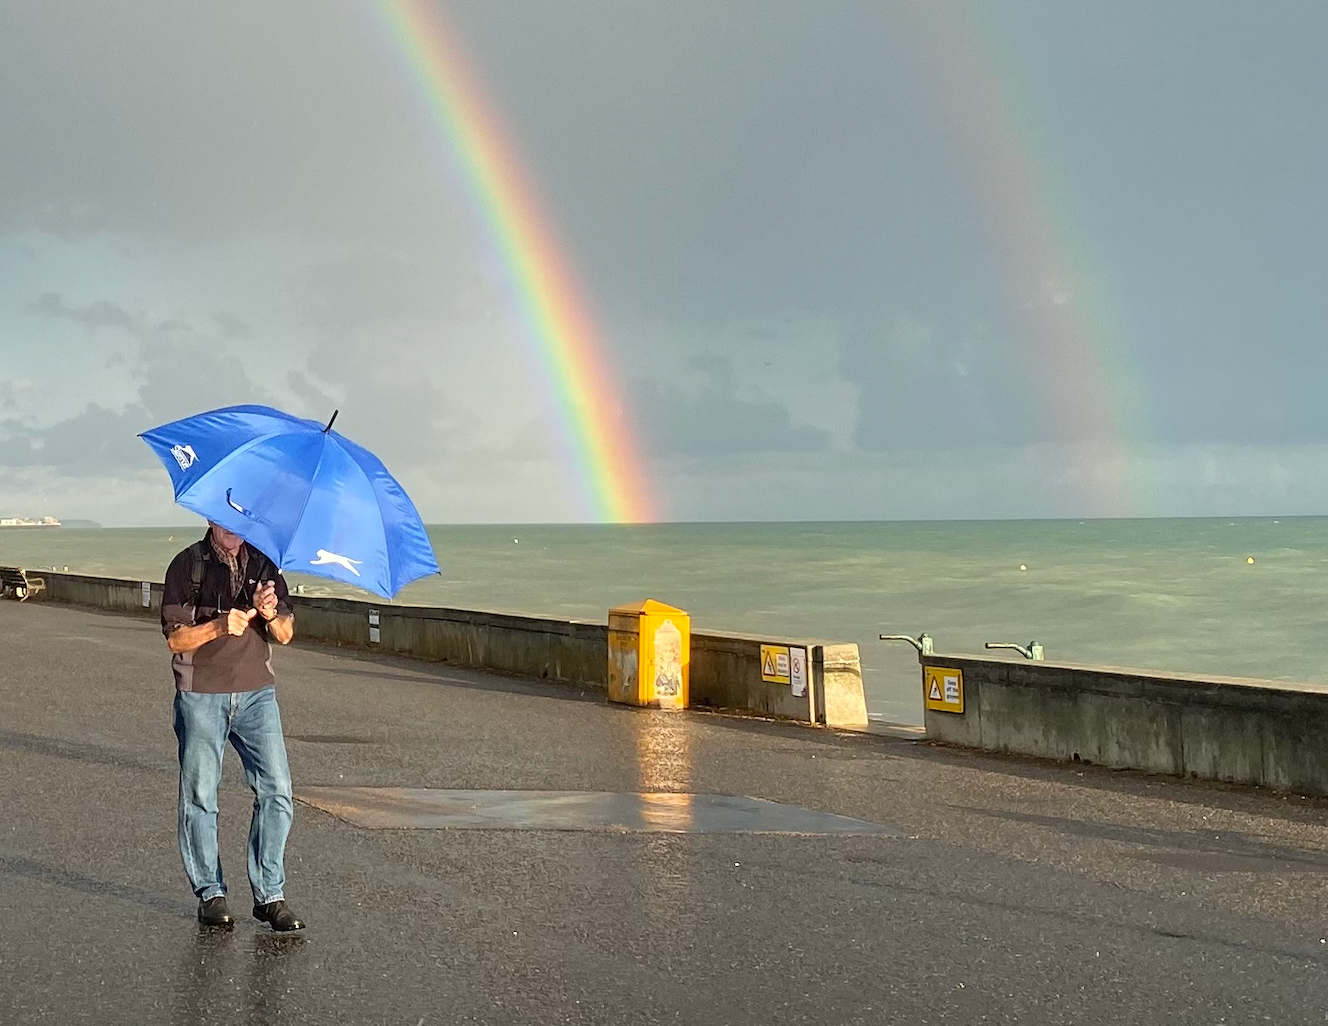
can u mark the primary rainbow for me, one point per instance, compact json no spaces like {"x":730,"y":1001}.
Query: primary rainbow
{"x":598,"y":438}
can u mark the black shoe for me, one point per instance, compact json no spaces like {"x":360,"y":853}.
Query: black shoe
{"x":214,"y":912}
{"x":278,"y":915}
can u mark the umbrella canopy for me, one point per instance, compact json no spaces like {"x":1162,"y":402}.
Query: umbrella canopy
{"x":310,"y":499}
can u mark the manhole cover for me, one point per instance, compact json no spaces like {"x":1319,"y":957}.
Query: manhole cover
{"x":406,"y":808}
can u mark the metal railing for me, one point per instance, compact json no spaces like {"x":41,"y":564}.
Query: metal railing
{"x":925,"y":646}
{"x":1032,"y":650}
{"x":922,"y":642}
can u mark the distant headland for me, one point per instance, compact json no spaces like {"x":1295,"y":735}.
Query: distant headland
{"x":47,"y":522}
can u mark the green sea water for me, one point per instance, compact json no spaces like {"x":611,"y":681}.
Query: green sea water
{"x":1174,"y":595}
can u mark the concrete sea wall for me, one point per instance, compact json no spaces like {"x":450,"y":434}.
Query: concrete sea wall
{"x":1268,"y":733}
{"x":725,"y":669}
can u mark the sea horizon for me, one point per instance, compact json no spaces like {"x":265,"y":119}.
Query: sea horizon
{"x":846,"y":520}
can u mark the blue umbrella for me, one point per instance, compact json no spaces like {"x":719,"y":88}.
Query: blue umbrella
{"x":312,"y":500}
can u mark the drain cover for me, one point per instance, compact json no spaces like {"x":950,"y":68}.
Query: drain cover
{"x":413,"y":808}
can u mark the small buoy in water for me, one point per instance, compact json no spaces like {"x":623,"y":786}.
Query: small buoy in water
{"x":1249,"y":560}
{"x":516,"y":541}
{"x":1023,"y":566}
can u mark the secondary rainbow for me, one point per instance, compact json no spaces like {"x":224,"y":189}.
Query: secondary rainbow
{"x":598,"y":439}
{"x":1094,"y":398}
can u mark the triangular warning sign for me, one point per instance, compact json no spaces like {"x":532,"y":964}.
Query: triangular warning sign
{"x":769,"y":668}
{"x":935,"y":694}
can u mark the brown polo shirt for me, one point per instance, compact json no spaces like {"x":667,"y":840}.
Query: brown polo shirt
{"x":227,"y":663}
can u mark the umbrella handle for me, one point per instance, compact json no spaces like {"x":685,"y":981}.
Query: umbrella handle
{"x":247,"y":513}
{"x":237,"y":507}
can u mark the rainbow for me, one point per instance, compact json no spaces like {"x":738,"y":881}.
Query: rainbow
{"x":596,"y":433}
{"x":1095,"y":399}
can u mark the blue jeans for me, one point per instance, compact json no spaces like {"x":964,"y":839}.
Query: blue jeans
{"x":252,"y":722}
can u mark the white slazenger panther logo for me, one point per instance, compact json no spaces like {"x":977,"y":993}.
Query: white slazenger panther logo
{"x":326,"y":558}
{"x":184,"y":455}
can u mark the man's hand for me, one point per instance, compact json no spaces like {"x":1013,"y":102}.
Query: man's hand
{"x":280,"y":628}
{"x":265,"y":600}
{"x":237,"y":620}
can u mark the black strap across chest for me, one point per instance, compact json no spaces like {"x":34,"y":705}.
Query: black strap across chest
{"x":201,"y":557}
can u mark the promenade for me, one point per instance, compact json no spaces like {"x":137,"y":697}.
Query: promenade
{"x":895,"y":882}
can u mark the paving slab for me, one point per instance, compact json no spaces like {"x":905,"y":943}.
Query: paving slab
{"x":657,"y":812}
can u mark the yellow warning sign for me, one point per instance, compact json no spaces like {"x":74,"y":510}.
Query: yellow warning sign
{"x":943,"y":688}
{"x":775,"y":664}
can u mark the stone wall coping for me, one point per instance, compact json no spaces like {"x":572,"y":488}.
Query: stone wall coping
{"x":519,"y":621}
{"x":1118,"y":675}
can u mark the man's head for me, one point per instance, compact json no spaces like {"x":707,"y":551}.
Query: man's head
{"x":227,"y":541}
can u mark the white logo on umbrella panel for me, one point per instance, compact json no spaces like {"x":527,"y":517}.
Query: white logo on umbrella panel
{"x":184,"y":455}
{"x":326,"y":558}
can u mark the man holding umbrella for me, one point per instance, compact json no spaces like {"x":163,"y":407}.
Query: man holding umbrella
{"x":279,"y":493}
{"x":223,"y":602}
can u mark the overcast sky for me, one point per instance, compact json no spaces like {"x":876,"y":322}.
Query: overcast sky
{"x":851,"y":259}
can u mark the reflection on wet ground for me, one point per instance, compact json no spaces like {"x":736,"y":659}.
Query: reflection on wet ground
{"x":663,"y":752}
{"x":237,"y":976}
{"x":422,"y":808}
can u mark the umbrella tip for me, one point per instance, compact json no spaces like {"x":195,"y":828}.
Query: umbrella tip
{"x":331,"y":422}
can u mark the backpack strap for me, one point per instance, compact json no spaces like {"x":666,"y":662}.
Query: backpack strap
{"x":200,"y":555}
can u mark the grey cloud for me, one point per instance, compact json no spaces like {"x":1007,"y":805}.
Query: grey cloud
{"x":378,"y":285}
{"x":232,"y":327}
{"x":388,"y":407}
{"x":15,"y":393}
{"x":205,"y":122}
{"x":536,"y":440}
{"x":101,"y":314}
{"x":313,"y":397}
{"x":929,"y":387}
{"x":713,"y":420}
{"x":184,"y":363}
{"x":95,"y":441}
{"x":180,"y":370}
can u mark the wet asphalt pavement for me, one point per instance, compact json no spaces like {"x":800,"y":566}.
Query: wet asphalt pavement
{"x":1004,"y":891}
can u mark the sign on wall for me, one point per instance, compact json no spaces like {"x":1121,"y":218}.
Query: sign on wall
{"x":775,"y":664}
{"x":798,"y":671}
{"x":943,"y":689}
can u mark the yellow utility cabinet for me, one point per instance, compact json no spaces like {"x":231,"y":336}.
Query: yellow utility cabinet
{"x":650,"y":650}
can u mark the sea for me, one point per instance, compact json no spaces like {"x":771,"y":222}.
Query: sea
{"x":1241,"y":597}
